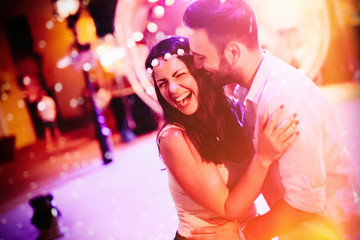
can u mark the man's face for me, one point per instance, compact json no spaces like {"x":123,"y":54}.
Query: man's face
{"x":207,"y":56}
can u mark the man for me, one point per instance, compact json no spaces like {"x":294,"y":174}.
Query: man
{"x":310,"y":189}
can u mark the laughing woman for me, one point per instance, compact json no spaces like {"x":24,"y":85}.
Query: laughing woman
{"x":214,"y":173}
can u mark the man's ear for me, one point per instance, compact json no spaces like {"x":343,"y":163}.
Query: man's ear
{"x":232,"y":52}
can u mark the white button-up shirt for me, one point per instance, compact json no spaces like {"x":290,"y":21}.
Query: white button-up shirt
{"x":316,"y":165}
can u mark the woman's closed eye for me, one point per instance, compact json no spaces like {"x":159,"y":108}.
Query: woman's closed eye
{"x":180,"y":74}
{"x":161,"y":83}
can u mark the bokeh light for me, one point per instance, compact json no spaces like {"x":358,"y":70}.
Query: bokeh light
{"x":152,"y":27}
{"x":58,"y":87}
{"x":159,"y":11}
{"x":26,"y":81}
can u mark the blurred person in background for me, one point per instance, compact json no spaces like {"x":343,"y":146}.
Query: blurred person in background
{"x":47,"y":112}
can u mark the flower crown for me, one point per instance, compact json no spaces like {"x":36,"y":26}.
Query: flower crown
{"x":155,"y":62}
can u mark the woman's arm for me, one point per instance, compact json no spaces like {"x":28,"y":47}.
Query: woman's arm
{"x":202,"y":181}
{"x":273,"y":139}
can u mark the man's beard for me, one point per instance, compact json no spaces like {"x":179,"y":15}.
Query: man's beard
{"x":225,"y":74}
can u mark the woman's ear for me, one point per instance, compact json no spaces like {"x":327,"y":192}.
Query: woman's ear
{"x":232,"y":52}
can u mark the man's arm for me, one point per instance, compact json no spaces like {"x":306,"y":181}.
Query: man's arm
{"x":280,"y":219}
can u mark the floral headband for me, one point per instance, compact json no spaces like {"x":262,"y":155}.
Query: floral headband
{"x":155,"y":62}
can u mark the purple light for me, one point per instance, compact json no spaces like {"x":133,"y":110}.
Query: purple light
{"x":101,"y":119}
{"x":105,"y":131}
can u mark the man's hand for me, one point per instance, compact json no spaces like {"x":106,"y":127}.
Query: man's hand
{"x":228,"y":231}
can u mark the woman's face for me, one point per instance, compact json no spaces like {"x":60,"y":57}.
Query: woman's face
{"x":177,"y":85}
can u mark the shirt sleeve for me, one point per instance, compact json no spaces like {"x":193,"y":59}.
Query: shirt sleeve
{"x":302,"y":166}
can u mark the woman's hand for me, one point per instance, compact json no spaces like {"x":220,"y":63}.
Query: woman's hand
{"x":275,"y":136}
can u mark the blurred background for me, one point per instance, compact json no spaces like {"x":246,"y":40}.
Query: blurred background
{"x":74,"y":97}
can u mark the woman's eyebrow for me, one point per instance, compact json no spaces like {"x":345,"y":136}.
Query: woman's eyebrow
{"x":174,"y":74}
{"x":160,"y":79}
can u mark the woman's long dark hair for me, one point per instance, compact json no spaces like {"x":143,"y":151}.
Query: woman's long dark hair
{"x":213,"y":129}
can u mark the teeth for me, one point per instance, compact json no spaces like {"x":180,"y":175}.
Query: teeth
{"x":184,"y":95}
{"x":182,"y":100}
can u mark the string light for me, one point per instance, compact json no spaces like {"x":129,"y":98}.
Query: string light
{"x":169,"y":2}
{"x":152,"y":27}
{"x":159,"y":11}
{"x":137,"y":36}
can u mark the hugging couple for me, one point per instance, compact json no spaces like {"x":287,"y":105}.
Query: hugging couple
{"x":276,"y":134}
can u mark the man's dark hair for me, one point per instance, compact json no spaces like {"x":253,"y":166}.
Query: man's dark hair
{"x":223,"y":21}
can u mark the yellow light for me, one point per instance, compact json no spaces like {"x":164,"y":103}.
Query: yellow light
{"x":111,"y":56}
{"x":10,"y":117}
{"x":85,"y":28}
{"x":4,"y":96}
{"x":6,"y":86}
{"x":21,"y":103}
{"x":66,"y":8}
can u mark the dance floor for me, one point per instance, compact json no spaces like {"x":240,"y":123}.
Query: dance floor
{"x":126,"y":199}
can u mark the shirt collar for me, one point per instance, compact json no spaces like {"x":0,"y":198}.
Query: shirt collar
{"x":253,"y":94}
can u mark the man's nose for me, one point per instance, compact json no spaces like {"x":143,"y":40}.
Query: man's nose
{"x":198,"y":62}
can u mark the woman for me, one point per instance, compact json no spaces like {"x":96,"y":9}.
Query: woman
{"x":200,"y":142}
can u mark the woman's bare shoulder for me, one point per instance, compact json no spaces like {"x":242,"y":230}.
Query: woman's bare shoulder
{"x":171,"y":136}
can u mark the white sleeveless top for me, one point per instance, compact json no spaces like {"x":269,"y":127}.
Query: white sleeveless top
{"x":192,"y":215}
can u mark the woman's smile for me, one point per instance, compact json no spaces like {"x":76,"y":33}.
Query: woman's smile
{"x":183,"y":99}
{"x":177,"y":85}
